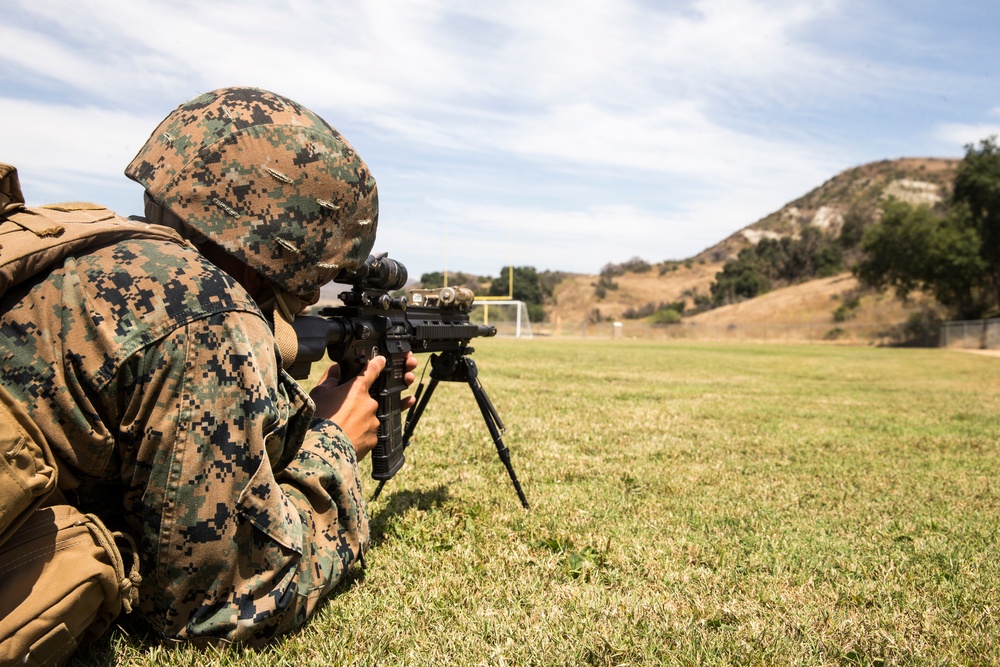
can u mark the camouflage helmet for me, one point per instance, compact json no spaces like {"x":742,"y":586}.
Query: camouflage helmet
{"x":268,"y":181}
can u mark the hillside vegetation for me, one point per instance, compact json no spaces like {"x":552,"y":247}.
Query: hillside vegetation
{"x":856,"y":191}
{"x":840,"y":208}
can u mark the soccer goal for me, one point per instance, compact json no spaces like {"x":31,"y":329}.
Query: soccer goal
{"x":510,"y":317}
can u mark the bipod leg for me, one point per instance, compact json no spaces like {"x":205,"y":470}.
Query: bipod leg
{"x":493,"y":423}
{"x":423,"y":399}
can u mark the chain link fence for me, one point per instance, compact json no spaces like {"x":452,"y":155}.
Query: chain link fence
{"x":844,"y":332}
{"x":971,"y":334}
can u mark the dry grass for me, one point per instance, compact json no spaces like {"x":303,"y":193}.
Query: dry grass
{"x":813,"y":302}
{"x":691,"y":504}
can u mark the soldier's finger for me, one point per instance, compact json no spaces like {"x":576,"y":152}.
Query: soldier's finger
{"x":372,"y":370}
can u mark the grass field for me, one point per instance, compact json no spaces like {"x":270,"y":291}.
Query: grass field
{"x":691,"y":504}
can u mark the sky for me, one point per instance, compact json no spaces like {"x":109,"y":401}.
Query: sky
{"x":559,"y":134}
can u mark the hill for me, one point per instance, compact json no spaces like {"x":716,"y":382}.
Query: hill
{"x":851,"y":195}
{"x":858,"y":190}
{"x":576,"y":300}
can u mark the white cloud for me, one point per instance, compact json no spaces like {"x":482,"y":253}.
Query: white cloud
{"x":66,"y":153}
{"x":583,"y":113}
{"x":480,"y":238}
{"x":960,"y":134}
{"x":92,"y":139}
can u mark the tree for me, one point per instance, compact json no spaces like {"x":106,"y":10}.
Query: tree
{"x":777,"y":261}
{"x":432,"y":280}
{"x":953,"y":254}
{"x":742,"y":278}
{"x":527,"y":287}
{"x":913,"y":248}
{"x":858,"y":217}
{"x":977,"y":187}
{"x":956,"y":266}
{"x":814,"y":254}
{"x":436,"y":280}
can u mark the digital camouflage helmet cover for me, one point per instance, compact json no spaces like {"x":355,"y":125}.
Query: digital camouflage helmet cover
{"x":267,"y":180}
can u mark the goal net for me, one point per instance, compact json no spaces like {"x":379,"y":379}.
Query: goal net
{"x":510,"y":317}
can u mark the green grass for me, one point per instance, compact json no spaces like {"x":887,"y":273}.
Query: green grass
{"x":691,"y":504}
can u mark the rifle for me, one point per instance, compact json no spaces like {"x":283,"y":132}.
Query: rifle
{"x":373,"y":322}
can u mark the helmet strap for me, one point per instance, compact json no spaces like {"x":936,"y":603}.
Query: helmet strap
{"x":283,"y":307}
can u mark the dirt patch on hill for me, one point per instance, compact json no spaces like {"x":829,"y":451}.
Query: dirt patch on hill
{"x":804,"y":312}
{"x":576,"y":299}
{"x":812,"y":302}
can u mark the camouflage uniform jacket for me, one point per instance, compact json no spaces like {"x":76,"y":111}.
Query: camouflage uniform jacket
{"x":155,"y":379}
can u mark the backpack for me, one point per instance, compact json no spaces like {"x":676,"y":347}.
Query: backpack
{"x":63,"y":579}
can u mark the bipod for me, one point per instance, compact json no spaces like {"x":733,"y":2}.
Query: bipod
{"x":458,"y":366}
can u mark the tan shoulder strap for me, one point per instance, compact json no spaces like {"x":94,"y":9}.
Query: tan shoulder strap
{"x":35,"y":239}
{"x":11,"y":197}
{"x":27,"y":467}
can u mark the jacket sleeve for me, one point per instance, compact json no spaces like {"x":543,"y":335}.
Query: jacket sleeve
{"x":231,"y":549}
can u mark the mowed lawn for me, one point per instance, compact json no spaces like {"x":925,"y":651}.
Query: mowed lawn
{"x":690,"y":504}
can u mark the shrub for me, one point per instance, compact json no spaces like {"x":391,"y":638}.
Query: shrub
{"x":843,"y":313}
{"x":666,"y":316}
{"x":834,"y":334}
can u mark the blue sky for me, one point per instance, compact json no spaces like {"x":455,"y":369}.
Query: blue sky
{"x":553,"y":133}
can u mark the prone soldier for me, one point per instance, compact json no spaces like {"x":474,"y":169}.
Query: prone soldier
{"x":155,"y":369}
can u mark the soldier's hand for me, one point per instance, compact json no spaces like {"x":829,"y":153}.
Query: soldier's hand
{"x":349,"y":406}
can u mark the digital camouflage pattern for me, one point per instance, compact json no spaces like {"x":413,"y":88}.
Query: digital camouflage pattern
{"x":268,"y":180}
{"x":154,"y":378}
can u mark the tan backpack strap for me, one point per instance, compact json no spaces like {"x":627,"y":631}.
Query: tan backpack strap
{"x":27,"y":467}
{"x":38,"y":238}
{"x":11,"y":197}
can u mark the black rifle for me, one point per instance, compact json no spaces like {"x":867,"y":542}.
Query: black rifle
{"x":372,"y":322}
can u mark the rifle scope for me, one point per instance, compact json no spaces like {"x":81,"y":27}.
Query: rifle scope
{"x":378,"y":272}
